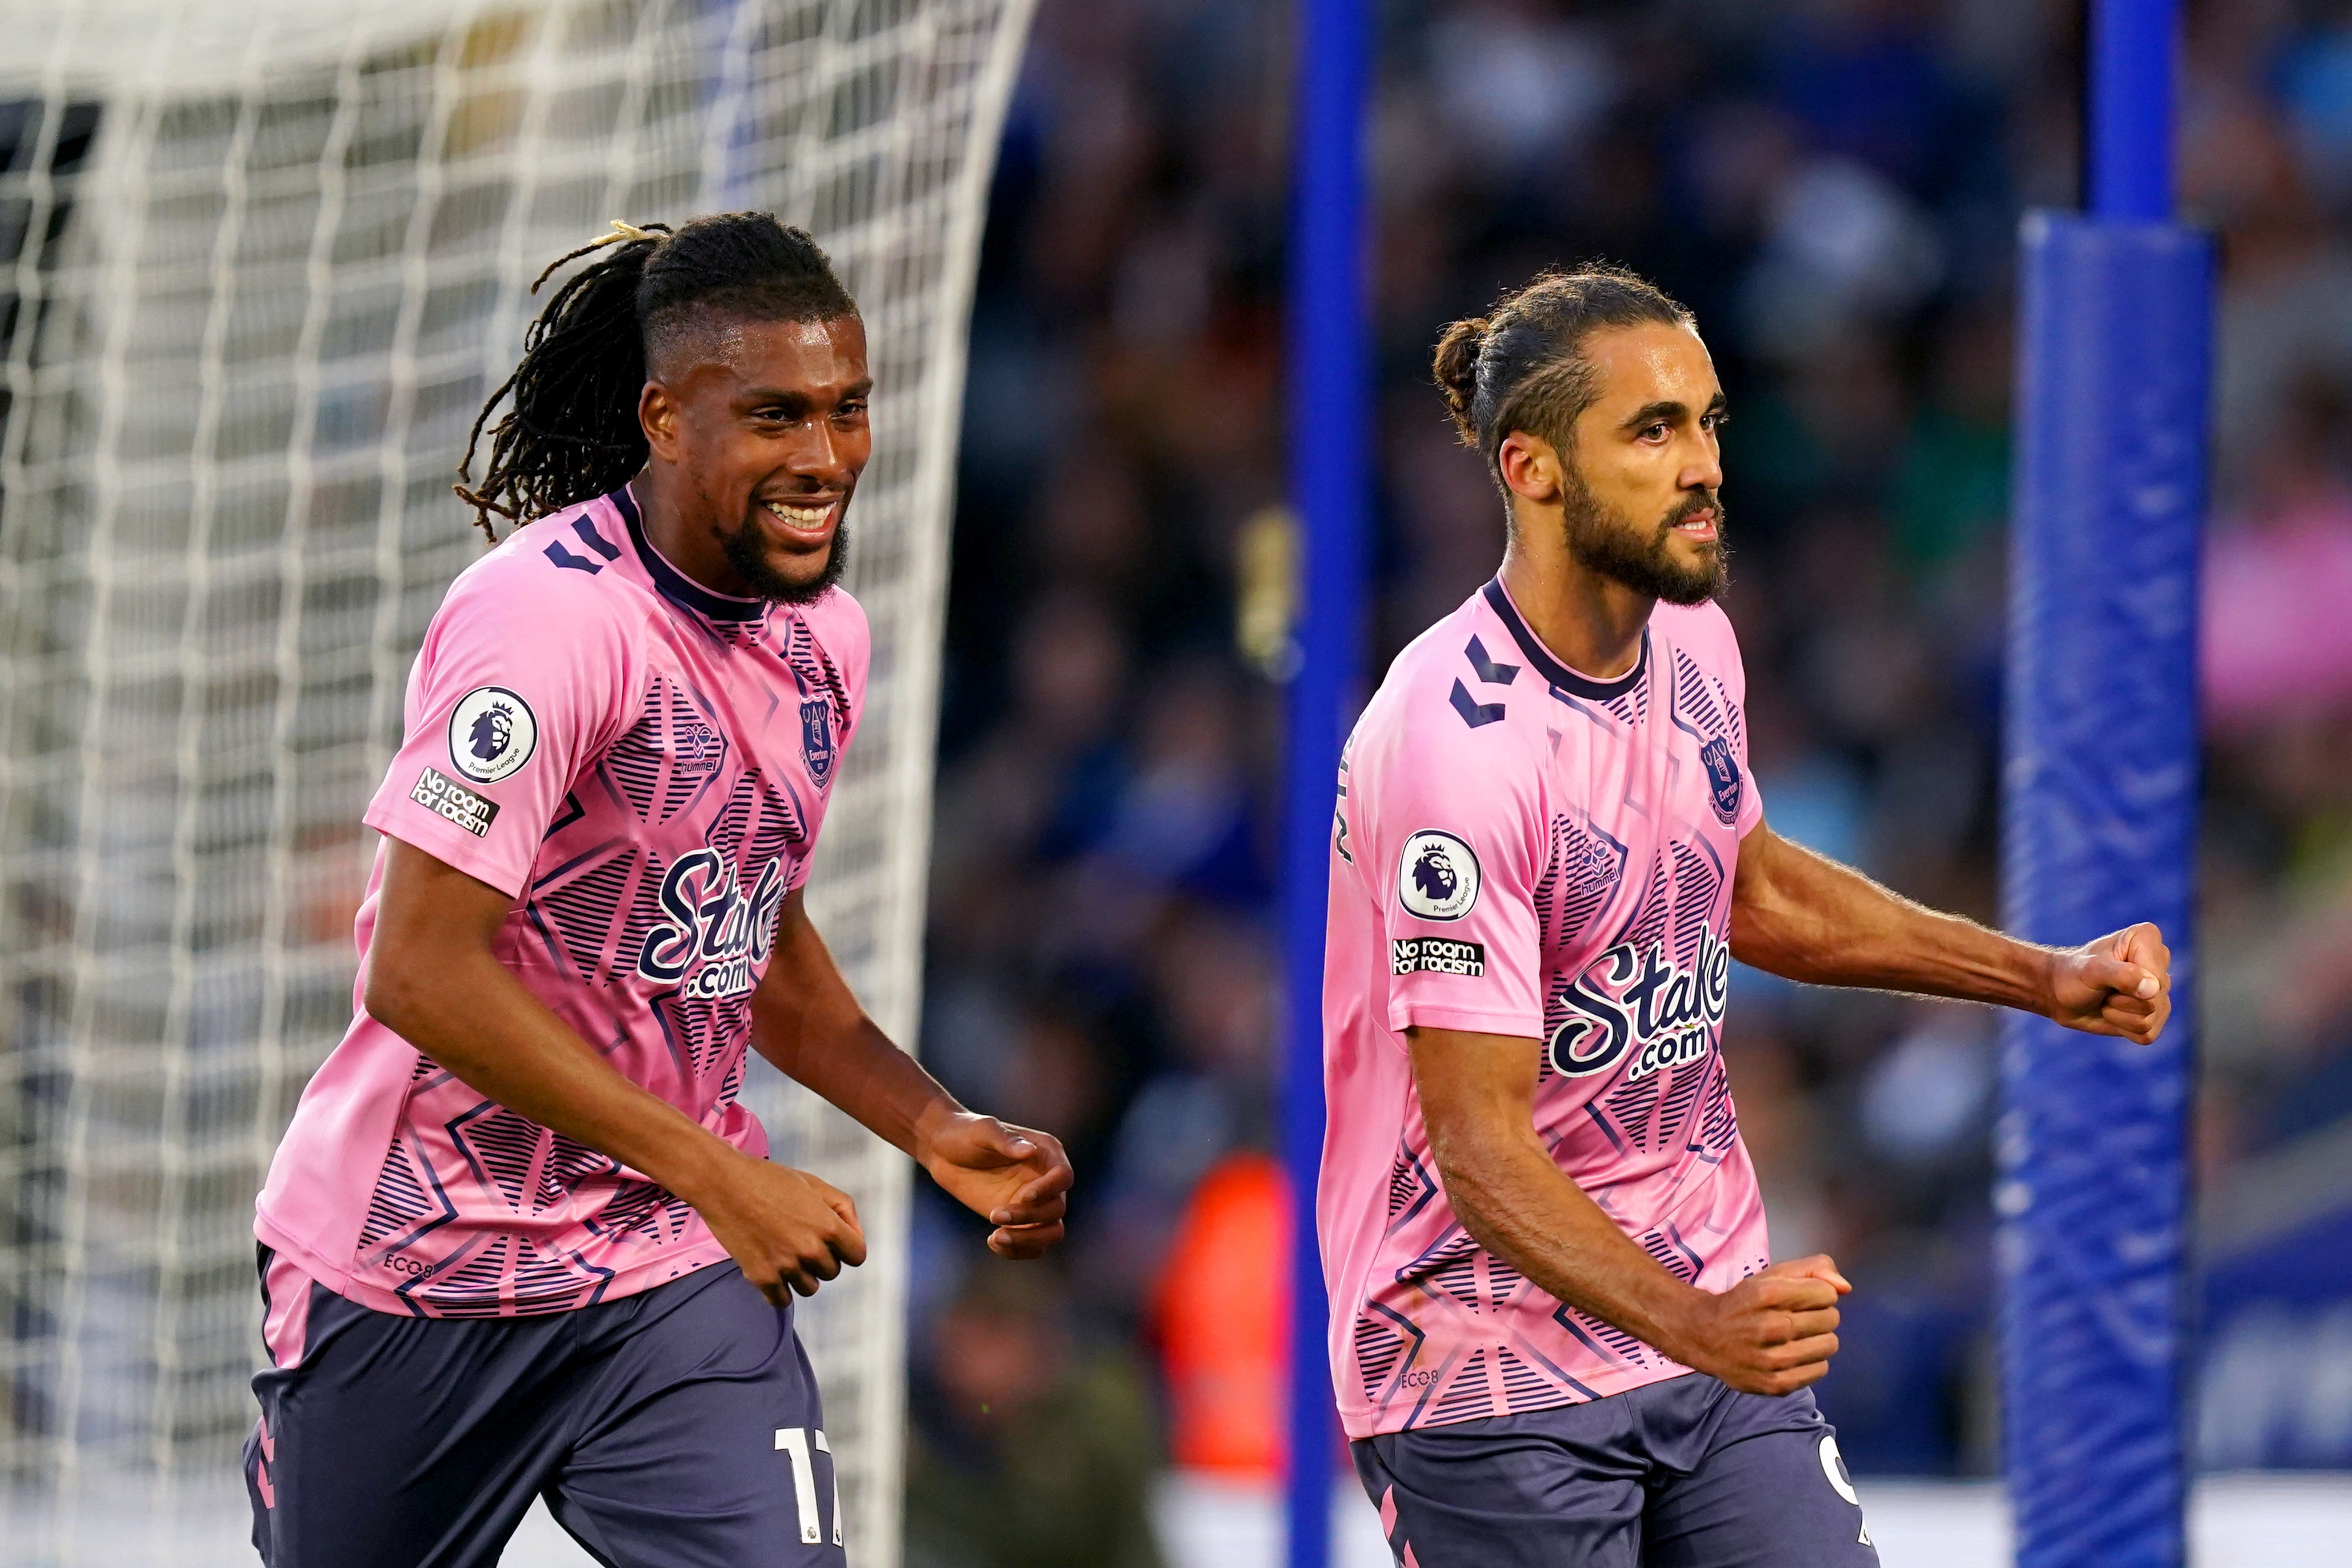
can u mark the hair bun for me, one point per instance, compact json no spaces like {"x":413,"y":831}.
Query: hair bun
{"x":1455,"y":366}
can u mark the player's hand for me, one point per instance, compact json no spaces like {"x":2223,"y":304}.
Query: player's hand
{"x":1771,"y":1333}
{"x":1015,"y":1178}
{"x":2119,"y":985}
{"x":789,"y":1231}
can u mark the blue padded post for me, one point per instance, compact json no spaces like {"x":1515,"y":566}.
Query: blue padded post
{"x":1331,"y":418}
{"x":2128,"y":162}
{"x":2100,"y":825}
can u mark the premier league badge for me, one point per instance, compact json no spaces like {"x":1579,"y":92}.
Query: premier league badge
{"x":1437,"y":876}
{"x":1722,"y":777}
{"x":816,"y":739}
{"x":492,"y":733}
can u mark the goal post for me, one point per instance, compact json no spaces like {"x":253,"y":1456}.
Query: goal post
{"x":260,"y":263}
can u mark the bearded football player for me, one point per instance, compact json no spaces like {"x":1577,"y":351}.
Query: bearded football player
{"x":522,"y":1239}
{"x":1558,"y":1334}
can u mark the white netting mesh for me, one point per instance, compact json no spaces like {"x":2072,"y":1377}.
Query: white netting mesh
{"x":264,"y":260}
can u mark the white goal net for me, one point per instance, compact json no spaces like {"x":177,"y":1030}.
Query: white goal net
{"x":260,"y":262}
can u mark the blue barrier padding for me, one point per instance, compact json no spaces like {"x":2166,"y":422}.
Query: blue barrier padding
{"x":2099,"y":804}
{"x":1330,"y":415}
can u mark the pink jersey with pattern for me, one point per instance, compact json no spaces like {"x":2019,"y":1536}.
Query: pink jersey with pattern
{"x":642,"y":766}
{"x":1521,"y":849}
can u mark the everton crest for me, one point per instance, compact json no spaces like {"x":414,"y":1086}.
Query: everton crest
{"x":1722,"y":777}
{"x":816,"y":740}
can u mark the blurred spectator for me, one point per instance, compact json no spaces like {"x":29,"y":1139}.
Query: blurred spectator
{"x":1220,"y":1313}
{"x":1031,"y":1451}
{"x":2278,"y":578}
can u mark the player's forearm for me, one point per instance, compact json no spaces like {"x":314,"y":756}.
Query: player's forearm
{"x":1522,"y":1208}
{"x":1803,"y":916}
{"x":852,"y":1065}
{"x":469,"y":1013}
{"x":806,"y":1021}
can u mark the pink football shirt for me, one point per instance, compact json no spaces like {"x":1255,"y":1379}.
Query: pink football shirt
{"x":1521,"y":849}
{"x":642,"y":764}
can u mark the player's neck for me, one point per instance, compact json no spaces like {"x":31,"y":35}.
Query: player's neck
{"x":694,"y":552}
{"x":1590,"y":623}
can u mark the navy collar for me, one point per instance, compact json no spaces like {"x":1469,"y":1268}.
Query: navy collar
{"x":1547,"y":665}
{"x":676,"y":585}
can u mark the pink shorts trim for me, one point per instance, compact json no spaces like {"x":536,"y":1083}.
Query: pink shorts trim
{"x":286,"y":1323}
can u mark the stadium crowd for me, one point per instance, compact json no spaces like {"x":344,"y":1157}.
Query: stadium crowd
{"x":1834,"y":185}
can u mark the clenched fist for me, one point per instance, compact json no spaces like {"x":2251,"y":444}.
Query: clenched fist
{"x":789,"y":1230}
{"x":1771,"y":1333}
{"x":2119,"y":985}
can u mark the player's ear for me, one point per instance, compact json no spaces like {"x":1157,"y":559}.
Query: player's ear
{"x":1530,"y":466}
{"x":657,"y":415}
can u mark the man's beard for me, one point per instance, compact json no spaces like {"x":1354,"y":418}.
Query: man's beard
{"x":1605,"y":541}
{"x":743,"y":551}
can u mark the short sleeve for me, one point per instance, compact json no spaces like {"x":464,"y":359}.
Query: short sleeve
{"x":1751,"y":799}
{"x":845,"y":628}
{"x":521,"y":682}
{"x":1750,"y":810}
{"x":1457,"y":840}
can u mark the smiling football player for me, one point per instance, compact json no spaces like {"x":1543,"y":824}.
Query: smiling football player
{"x":521,"y":1239}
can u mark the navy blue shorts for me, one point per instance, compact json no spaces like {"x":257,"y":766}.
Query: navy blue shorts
{"x":679,"y":1425}
{"x":1681,"y":1474}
